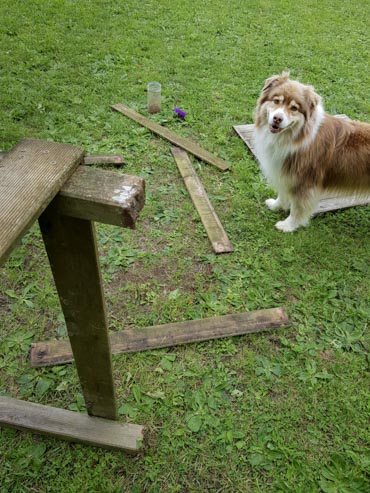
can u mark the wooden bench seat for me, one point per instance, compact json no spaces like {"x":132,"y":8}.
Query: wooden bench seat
{"x":31,"y":174}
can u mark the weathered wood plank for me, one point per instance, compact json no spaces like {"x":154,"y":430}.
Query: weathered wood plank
{"x":211,"y":222}
{"x":186,"y":144}
{"x":71,"y":247}
{"x":246,"y":133}
{"x":102,"y":196}
{"x":328,"y":203}
{"x":70,"y":426}
{"x":160,"y":336}
{"x":31,"y":174}
{"x":116,"y":159}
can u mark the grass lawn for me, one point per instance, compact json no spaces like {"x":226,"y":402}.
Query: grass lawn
{"x":280,"y":411}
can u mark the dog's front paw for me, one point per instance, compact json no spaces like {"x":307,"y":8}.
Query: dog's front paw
{"x":286,"y":226}
{"x":272,"y":204}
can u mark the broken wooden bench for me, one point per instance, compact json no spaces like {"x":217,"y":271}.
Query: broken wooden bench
{"x":44,"y":180}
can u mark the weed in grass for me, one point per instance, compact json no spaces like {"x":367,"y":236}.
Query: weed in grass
{"x":266,"y":368}
{"x":341,"y":475}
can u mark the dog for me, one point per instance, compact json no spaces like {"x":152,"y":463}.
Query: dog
{"x":304,"y":152}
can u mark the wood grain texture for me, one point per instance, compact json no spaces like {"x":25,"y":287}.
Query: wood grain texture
{"x":333,"y":203}
{"x":71,"y":247}
{"x":246,"y":133}
{"x":160,"y":336}
{"x":70,"y":426}
{"x":31,"y":174}
{"x":327,"y":203}
{"x":211,"y":222}
{"x":185,"y":144}
{"x":102,"y":196}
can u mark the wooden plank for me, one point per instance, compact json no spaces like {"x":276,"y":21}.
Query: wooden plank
{"x":102,"y":196}
{"x":31,"y":174}
{"x":185,"y":144}
{"x":160,"y":336}
{"x":116,"y":159}
{"x":330,"y":202}
{"x":70,"y":426}
{"x":71,"y":247}
{"x":211,"y":222}
{"x":246,"y":133}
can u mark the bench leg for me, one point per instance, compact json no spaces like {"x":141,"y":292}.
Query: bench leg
{"x":71,"y":247}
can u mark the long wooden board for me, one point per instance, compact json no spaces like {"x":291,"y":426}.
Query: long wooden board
{"x":186,"y":144}
{"x":327,"y":203}
{"x":70,"y":426}
{"x":160,"y":336}
{"x":31,"y":174}
{"x":102,"y":196}
{"x":211,"y":222}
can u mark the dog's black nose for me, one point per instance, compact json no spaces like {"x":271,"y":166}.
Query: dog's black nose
{"x":278,"y":118}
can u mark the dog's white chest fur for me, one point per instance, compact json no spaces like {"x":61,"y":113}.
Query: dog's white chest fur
{"x":270,"y":155}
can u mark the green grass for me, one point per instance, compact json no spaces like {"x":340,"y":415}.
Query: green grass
{"x":285,"y":411}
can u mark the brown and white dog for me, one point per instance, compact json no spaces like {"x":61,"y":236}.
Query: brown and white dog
{"x":304,"y":152}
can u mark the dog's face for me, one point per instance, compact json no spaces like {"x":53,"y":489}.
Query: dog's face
{"x":285,"y":105}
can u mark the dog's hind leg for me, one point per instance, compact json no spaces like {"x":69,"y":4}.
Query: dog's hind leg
{"x":301,"y":210}
{"x":281,"y":202}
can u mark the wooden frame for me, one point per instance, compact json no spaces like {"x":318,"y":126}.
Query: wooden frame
{"x":31,"y":175}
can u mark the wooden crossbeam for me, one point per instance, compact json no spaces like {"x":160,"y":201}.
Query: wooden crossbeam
{"x":211,"y":222}
{"x":167,"y":134}
{"x":31,"y":175}
{"x":102,"y":196}
{"x":160,"y":336}
{"x":70,"y":426}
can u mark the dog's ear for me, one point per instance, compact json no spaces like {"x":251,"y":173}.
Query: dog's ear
{"x":275,"y":80}
{"x":312,"y":98}
{"x":271,"y":82}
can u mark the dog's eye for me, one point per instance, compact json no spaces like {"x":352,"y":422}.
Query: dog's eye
{"x":276,"y":100}
{"x":294,"y":108}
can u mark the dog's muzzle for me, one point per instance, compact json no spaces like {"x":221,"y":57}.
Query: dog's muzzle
{"x":276,"y":122}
